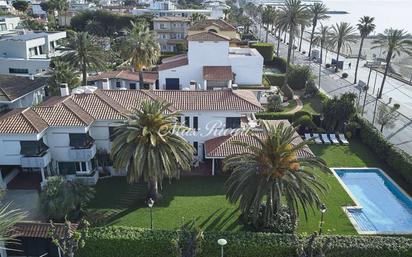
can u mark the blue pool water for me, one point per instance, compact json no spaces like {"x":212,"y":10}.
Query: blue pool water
{"x":385,"y":208}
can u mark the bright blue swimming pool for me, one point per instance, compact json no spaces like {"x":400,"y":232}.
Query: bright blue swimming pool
{"x":385,"y":208}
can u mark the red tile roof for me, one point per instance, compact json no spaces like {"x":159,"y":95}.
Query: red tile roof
{"x":83,"y":109}
{"x":204,"y":24}
{"x":207,"y":36}
{"x":173,"y":64}
{"x":38,"y":230}
{"x":221,"y":147}
{"x":217,"y":73}
{"x":148,"y":77}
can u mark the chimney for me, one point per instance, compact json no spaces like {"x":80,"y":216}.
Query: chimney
{"x":64,"y":89}
{"x":105,"y":84}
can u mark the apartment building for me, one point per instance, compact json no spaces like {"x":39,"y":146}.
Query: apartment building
{"x":8,"y":25}
{"x":167,"y":8}
{"x":29,"y":53}
{"x":63,"y":134}
{"x":170,"y":31}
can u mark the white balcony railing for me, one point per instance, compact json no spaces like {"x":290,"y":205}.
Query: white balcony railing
{"x":82,"y":154}
{"x":36,"y":161}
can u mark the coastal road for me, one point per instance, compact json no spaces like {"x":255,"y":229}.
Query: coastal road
{"x":333,"y":85}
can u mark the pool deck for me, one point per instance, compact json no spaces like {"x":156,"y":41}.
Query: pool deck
{"x":358,"y":206}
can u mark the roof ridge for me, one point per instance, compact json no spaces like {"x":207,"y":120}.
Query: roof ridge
{"x":29,"y":121}
{"x":66,"y":105}
{"x":226,"y":138}
{"x":244,"y":98}
{"x":110,"y":102}
{"x":156,"y":97}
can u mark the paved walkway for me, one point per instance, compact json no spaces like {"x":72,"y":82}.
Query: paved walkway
{"x":299,"y":105}
{"x":332,"y":83}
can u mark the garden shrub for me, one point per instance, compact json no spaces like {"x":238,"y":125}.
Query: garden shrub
{"x":265,"y":49}
{"x":274,"y":116}
{"x":287,"y":91}
{"x":279,"y":63}
{"x":298,"y":76}
{"x":274,"y":103}
{"x":299,"y":114}
{"x":275,"y":79}
{"x":399,"y":161}
{"x":282,"y":223}
{"x":138,"y":242}
{"x":311,"y":89}
{"x":304,"y":122}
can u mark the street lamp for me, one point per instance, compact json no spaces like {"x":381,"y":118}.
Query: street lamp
{"x":222,"y":242}
{"x":150,"y":203}
{"x":322,"y":212}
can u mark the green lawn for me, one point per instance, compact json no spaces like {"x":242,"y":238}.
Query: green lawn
{"x":292,"y":105}
{"x":312,"y":105}
{"x":202,"y":198}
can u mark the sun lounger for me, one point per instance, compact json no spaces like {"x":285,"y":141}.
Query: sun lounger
{"x":325,"y":139}
{"x":317,"y":139}
{"x":308,"y":136}
{"x":343,"y":139}
{"x":333,"y":139}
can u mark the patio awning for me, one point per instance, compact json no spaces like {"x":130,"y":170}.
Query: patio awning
{"x":38,"y":230}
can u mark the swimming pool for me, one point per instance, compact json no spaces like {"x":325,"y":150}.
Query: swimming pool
{"x":382,"y":207}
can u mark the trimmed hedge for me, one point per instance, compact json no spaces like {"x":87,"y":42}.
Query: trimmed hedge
{"x":275,"y":79}
{"x":279,"y":63}
{"x":138,"y":242}
{"x":395,"y":158}
{"x":265,"y":49}
{"x":274,"y":116}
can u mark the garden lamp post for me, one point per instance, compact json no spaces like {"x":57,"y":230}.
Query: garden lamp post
{"x":222,"y":242}
{"x":322,"y":212}
{"x":150,"y":203}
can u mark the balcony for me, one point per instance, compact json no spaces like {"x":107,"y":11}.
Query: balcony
{"x":82,"y":154}
{"x":40,"y":161}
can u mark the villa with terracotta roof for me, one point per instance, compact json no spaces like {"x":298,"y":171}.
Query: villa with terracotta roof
{"x":123,"y":79}
{"x":62,"y":135}
{"x":210,"y":64}
{"x":218,"y":26}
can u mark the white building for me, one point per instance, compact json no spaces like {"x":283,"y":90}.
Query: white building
{"x":170,"y":31}
{"x":19,"y":92}
{"x":211,"y":64}
{"x":29,"y":53}
{"x":161,"y":8}
{"x":217,"y":7}
{"x":62,"y":135}
{"x":123,"y":79}
{"x":8,"y":24}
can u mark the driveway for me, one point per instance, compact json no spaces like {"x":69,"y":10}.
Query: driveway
{"x":25,"y":200}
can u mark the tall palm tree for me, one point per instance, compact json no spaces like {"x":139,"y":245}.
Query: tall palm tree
{"x":196,"y":17}
{"x":365,"y":27}
{"x":141,"y":48}
{"x":85,"y":53}
{"x":319,"y":13}
{"x":62,"y":72}
{"x":321,"y":38}
{"x":271,"y":171}
{"x":149,"y":145}
{"x":394,"y":42}
{"x":267,"y":19}
{"x":302,"y":31}
{"x":342,"y":37}
{"x":291,"y":16}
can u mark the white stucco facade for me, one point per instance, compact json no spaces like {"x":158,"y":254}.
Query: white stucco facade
{"x":246,"y":64}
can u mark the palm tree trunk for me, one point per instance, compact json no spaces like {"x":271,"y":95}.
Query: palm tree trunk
{"x":337,"y":60}
{"x":326,"y":54}
{"x":153,"y":189}
{"x":141,"y":80}
{"x":301,"y":38}
{"x":388,"y":60}
{"x":267,"y":34}
{"x":320,"y":62}
{"x":357,"y":61}
{"x":277,"y":50}
{"x":84,"y":74}
{"x":289,"y":55}
{"x":311,"y":39}
{"x":382,"y":127}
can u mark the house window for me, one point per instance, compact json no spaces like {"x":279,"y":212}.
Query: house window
{"x":195,"y":122}
{"x":67,"y":168}
{"x":33,"y":148}
{"x":162,"y":26}
{"x":132,"y":85}
{"x":232,"y":122}
{"x":80,"y":140}
{"x":112,"y":133}
{"x":118,"y":85}
{"x":18,"y":71}
{"x":81,"y":167}
{"x":196,"y":146}
{"x":187,"y":121}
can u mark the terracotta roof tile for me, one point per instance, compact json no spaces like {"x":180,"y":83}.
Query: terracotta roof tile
{"x":207,"y":36}
{"x":21,"y":121}
{"x":221,"y":147}
{"x":14,"y":87}
{"x":204,"y":24}
{"x":38,"y":230}
{"x":217,"y":73}
{"x":173,"y":64}
{"x":174,"y":58}
{"x":148,"y":77}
